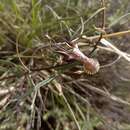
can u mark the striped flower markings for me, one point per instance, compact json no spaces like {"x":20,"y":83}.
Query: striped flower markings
{"x":90,"y":65}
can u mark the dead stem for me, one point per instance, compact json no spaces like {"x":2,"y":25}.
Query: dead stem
{"x":116,"y":34}
{"x":103,"y":15}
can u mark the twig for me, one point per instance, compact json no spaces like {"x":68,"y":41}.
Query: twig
{"x":4,"y":100}
{"x":116,"y":50}
{"x":103,"y":93}
{"x":6,"y":91}
{"x":103,"y":15}
{"x":110,"y":64}
{"x":116,"y":34}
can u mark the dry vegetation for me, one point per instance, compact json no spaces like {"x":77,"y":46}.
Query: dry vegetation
{"x":45,"y":84}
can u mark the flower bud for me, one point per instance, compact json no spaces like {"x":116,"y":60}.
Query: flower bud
{"x":91,"y":66}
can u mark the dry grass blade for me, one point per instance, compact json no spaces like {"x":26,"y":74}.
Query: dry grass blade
{"x":116,"y":34}
{"x":71,"y":111}
{"x":6,"y":91}
{"x":106,"y":94}
{"x":116,"y":50}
